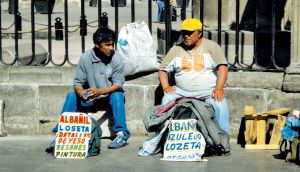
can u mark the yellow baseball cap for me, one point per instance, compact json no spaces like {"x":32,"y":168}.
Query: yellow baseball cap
{"x":191,"y":24}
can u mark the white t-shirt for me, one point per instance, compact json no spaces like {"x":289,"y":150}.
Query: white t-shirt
{"x":195,"y":70}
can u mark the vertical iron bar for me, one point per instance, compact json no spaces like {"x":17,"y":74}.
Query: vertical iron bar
{"x":150,"y":15}
{"x":0,"y":33}
{"x":274,"y":35}
{"x":116,"y":18}
{"x":66,"y":31}
{"x":16,"y":11}
{"x":49,"y":30}
{"x":32,"y":30}
{"x":192,"y":8}
{"x":132,"y":11}
{"x":201,"y":11}
{"x":82,"y":36}
{"x":183,"y":10}
{"x":273,"y":30}
{"x":99,"y":12}
{"x":237,"y":30}
{"x":168,"y":25}
{"x":255,"y":33}
{"x":219,"y":21}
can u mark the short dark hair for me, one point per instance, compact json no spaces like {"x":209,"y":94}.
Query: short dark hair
{"x":104,"y":35}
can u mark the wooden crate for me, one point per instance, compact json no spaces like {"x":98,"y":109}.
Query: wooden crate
{"x":257,"y":126}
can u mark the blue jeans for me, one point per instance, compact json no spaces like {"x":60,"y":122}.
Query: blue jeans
{"x":161,"y":6}
{"x":115,"y":101}
{"x":221,"y":108}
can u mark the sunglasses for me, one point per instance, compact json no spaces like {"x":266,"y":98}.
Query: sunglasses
{"x":187,"y":32}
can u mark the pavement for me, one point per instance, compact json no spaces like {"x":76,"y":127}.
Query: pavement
{"x":27,"y":154}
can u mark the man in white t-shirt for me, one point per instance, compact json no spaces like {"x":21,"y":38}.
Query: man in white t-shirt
{"x":200,"y":69}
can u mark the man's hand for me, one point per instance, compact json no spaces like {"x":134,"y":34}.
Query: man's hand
{"x":93,"y":93}
{"x":218,"y":94}
{"x":84,"y":95}
{"x":169,"y":90}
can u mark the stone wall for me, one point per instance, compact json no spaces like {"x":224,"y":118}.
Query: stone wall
{"x":33,"y":97}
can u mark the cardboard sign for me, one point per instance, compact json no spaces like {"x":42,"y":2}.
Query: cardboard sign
{"x":74,"y":132}
{"x":184,"y":142}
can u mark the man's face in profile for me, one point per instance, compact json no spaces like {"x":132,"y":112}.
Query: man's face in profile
{"x":107,"y":48}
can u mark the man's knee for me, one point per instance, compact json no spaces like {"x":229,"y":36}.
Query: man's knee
{"x":216,"y":103}
{"x":71,"y":96}
{"x":168,"y":98}
{"x":117,"y":96}
{"x":71,"y":99}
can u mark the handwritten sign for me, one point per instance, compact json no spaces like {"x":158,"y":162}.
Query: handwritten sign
{"x":184,"y":142}
{"x":74,"y":132}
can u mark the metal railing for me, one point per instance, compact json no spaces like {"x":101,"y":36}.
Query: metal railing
{"x":259,"y":61}
{"x":266,"y":57}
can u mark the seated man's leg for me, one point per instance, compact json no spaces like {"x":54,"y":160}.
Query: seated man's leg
{"x":116,"y":101}
{"x":221,"y":112}
{"x":168,"y":97}
{"x":70,"y":105}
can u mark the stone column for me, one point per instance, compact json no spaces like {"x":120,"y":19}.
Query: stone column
{"x":295,"y":37}
{"x":291,"y":82}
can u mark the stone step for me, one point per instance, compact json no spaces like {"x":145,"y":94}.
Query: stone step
{"x":34,"y":97}
{"x":38,"y":106}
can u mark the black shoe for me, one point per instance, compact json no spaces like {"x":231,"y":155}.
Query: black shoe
{"x":50,"y":150}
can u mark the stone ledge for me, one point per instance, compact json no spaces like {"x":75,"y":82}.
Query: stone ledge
{"x":33,"y":107}
{"x":29,"y":74}
{"x":291,"y":83}
{"x":65,"y":75}
{"x":4,"y":74}
{"x":265,"y":80}
{"x":38,"y":106}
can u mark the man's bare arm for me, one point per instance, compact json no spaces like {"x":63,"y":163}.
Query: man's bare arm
{"x":164,"y":80}
{"x":218,"y":92}
{"x":80,"y":91}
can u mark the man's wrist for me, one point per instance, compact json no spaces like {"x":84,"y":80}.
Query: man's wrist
{"x":80,"y":92}
{"x":98,"y":91}
{"x":219,"y":88}
{"x":165,"y":87}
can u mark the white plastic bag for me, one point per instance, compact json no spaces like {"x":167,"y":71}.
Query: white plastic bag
{"x":135,"y":46}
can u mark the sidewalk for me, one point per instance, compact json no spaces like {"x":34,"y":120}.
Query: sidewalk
{"x":26,"y":154}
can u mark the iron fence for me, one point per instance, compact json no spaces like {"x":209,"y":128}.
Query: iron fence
{"x":271,"y":44}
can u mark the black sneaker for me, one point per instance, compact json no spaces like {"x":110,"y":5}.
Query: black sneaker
{"x":50,"y":150}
